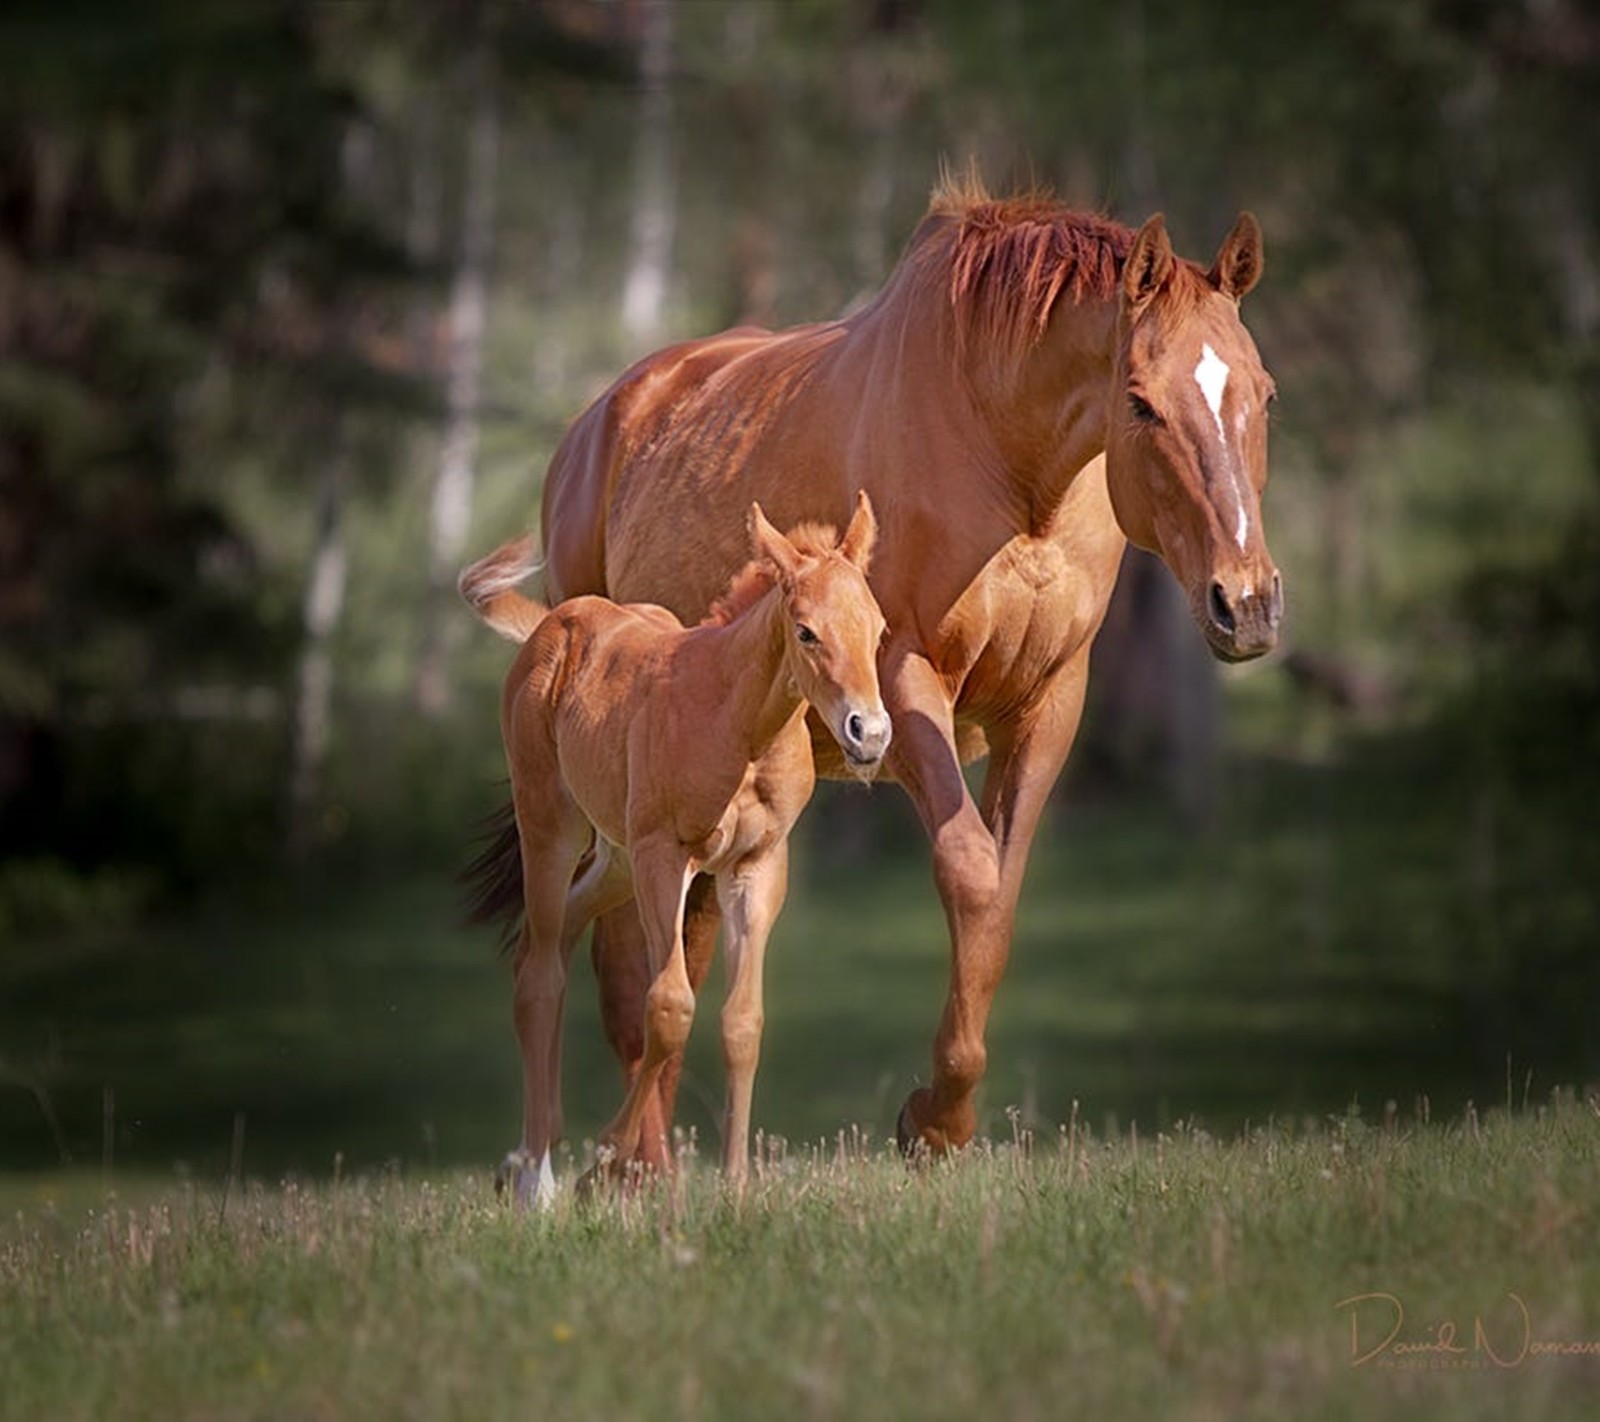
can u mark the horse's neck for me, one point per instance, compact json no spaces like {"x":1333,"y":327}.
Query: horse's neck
{"x":756,"y":696}
{"x":1030,"y":425}
{"x":1049,"y":420}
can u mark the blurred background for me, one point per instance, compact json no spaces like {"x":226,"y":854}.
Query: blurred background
{"x":296,"y":299}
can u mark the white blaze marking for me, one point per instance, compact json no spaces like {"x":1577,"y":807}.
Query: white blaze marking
{"x":1211,"y":375}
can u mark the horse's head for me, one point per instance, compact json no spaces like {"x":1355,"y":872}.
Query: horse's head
{"x":1186,"y":446}
{"x":832,"y":627}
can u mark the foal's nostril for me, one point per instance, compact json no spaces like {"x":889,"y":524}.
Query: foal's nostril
{"x":855,"y":728}
{"x":1221,"y":613}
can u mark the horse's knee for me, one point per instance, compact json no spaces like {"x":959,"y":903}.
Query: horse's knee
{"x":962,"y":1065}
{"x":669,"y":1012}
{"x":966,"y":869}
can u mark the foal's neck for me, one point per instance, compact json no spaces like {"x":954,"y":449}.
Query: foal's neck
{"x":759,"y":696}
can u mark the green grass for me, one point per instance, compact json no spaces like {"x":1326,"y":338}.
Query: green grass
{"x":1174,"y":1275}
{"x":1373,"y":928}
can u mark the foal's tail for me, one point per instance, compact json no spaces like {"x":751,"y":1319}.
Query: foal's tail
{"x":490,"y":588}
{"x":493,"y":880}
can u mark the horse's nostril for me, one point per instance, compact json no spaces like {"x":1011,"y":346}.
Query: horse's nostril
{"x":855,"y":728}
{"x":1221,"y":613}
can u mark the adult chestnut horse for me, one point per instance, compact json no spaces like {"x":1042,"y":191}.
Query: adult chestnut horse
{"x":1032,"y":387}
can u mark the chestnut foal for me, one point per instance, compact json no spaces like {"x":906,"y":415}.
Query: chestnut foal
{"x":643,"y":753}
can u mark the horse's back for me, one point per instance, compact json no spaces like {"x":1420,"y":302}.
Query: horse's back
{"x":689,"y":425}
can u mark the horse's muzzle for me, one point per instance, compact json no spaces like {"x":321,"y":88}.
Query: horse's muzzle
{"x":1242,"y":624}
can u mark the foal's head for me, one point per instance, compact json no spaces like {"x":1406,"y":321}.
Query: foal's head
{"x":1186,"y":447}
{"x":832,"y":627}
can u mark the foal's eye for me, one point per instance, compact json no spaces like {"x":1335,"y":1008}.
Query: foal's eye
{"x":807,"y":637}
{"x":1143,"y":411}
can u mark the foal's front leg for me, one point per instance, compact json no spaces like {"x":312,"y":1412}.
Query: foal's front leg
{"x":661,"y":877}
{"x":750,"y":897}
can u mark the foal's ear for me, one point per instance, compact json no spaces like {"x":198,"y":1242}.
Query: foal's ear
{"x":766,"y":542}
{"x":1239,"y":259}
{"x":856,"y":545}
{"x":1150,"y":263}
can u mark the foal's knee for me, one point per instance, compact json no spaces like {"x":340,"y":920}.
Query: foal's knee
{"x":741,"y":1040}
{"x":669,"y":1011}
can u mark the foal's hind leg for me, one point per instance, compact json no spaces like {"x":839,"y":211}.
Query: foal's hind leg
{"x":661,"y":884}
{"x":603,"y":883}
{"x":553,"y":835}
{"x":622,"y":965}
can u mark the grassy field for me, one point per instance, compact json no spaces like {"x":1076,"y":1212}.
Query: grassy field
{"x":1369,"y":929}
{"x":1173,"y":1275}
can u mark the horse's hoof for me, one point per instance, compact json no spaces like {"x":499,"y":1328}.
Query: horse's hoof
{"x":508,"y":1172}
{"x":913,"y":1145}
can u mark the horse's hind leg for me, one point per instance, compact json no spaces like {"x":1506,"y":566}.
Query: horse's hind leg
{"x":751,"y":899}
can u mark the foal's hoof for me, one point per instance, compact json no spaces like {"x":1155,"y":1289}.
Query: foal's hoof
{"x":531,"y":1184}
{"x":602,"y":1177}
{"x":614,"y":1174}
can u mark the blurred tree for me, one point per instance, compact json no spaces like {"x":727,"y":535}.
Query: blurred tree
{"x":174,"y":244}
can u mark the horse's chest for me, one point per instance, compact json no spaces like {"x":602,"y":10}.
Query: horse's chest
{"x":1015,"y":625}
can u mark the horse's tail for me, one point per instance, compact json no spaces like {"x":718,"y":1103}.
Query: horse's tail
{"x":490,"y":588}
{"x":493,"y":880}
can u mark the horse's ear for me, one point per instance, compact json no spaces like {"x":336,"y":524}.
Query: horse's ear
{"x":1239,"y":259}
{"x":766,"y":542}
{"x":1150,"y":263}
{"x":856,"y":545}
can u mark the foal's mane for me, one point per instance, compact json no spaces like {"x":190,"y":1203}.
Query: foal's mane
{"x":1007,"y":261}
{"x":757,"y":578}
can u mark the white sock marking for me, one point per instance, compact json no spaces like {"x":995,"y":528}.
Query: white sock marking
{"x":544,"y":1193}
{"x":1211,"y":375}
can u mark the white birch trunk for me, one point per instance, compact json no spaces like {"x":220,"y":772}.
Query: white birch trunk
{"x":644,"y":291}
{"x":450,"y":511}
{"x":321,"y":610}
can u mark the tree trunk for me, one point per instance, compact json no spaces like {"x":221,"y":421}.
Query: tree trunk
{"x":645,"y":288}
{"x":450,"y":513}
{"x":321,"y":609}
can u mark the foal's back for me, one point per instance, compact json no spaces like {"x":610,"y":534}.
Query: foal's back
{"x":584,"y":685}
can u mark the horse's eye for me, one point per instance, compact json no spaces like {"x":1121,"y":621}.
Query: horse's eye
{"x":1143,"y":411}
{"x":807,"y":637}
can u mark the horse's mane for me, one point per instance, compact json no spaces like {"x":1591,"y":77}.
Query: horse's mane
{"x":1010,"y":259}
{"x":757,"y":578}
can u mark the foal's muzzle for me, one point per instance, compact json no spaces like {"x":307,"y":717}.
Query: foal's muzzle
{"x":864,"y":737}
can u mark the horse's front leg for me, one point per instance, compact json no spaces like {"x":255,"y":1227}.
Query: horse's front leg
{"x":978,"y":861}
{"x":751,"y":898}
